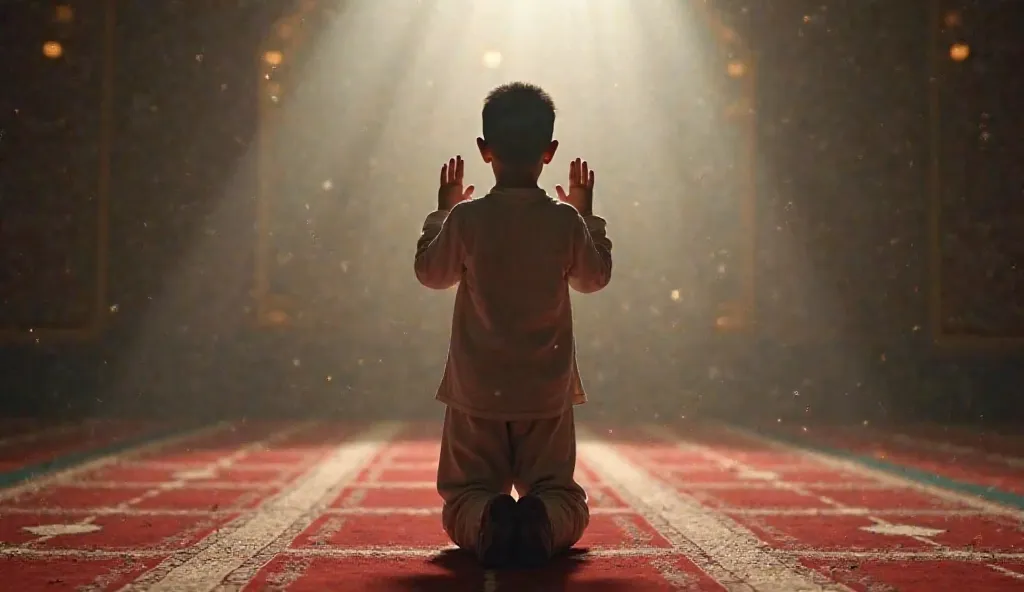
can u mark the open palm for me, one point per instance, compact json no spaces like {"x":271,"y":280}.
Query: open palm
{"x":581,"y":188}
{"x":451,"y":191}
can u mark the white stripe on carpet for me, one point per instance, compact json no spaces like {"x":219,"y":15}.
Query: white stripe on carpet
{"x":205,"y":570}
{"x":738,"y":560}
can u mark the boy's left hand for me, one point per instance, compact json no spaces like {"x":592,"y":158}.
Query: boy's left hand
{"x":451,"y":193}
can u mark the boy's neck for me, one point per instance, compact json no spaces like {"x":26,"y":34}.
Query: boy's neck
{"x":515,"y":184}
{"x":512,"y":180}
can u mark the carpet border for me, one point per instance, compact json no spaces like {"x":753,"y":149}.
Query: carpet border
{"x":22,"y":475}
{"x":919,"y":476}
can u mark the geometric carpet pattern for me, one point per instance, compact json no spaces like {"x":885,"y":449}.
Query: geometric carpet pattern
{"x":317,"y":506}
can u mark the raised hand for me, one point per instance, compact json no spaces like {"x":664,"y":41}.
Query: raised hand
{"x":451,"y":193}
{"x":581,"y":188}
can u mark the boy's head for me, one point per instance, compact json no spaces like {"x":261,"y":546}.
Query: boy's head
{"x":518,"y":122}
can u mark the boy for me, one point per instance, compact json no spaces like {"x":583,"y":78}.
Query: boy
{"x":511,"y":379}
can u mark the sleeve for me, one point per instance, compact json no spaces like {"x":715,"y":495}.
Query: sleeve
{"x":439,"y":252}
{"x":591,"y":268}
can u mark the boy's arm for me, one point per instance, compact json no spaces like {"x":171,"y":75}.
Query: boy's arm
{"x":439,"y":251}
{"x":592,"y":255}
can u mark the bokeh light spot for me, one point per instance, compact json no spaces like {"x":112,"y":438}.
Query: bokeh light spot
{"x":959,"y":52}
{"x":274,"y":58}
{"x":53,"y":50}
{"x":63,"y":14}
{"x":492,"y":59}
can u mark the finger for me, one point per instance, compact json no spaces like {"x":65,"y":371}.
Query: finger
{"x":460,"y":169}
{"x":444,"y":174}
{"x":561,"y":192}
{"x":451,"y":171}
{"x":572,"y":173}
{"x":468,"y":193}
{"x":590,"y":180}
{"x":578,"y":179}
{"x":584,"y":174}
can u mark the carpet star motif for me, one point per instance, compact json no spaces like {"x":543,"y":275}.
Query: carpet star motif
{"x":59,"y":529}
{"x":903,"y":530}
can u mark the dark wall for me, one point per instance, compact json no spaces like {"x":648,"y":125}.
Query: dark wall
{"x":844,"y":126}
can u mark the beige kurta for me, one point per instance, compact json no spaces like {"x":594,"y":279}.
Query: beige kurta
{"x":514,"y":254}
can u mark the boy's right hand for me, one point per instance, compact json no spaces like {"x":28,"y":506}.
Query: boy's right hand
{"x":581,"y":188}
{"x":451,"y":192}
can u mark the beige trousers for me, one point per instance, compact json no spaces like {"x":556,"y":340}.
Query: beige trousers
{"x":481,"y":458}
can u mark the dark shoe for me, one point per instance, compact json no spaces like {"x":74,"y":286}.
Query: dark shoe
{"x":535,"y":538}
{"x":497,"y":532}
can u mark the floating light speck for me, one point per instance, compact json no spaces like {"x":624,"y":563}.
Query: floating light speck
{"x":63,"y":14}
{"x":53,"y":50}
{"x":274,"y":58}
{"x":959,"y":52}
{"x":492,"y":59}
{"x":277,"y":317}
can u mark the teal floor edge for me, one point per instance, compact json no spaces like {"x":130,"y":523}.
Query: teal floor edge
{"x":67,"y":461}
{"x":991,"y":494}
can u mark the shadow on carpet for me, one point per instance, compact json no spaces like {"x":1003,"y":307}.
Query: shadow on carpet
{"x":463,"y":572}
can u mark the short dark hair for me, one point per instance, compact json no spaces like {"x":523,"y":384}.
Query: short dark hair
{"x":519,"y":122}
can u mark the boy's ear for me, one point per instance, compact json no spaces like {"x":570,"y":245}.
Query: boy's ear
{"x":550,"y":152}
{"x":485,"y":150}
